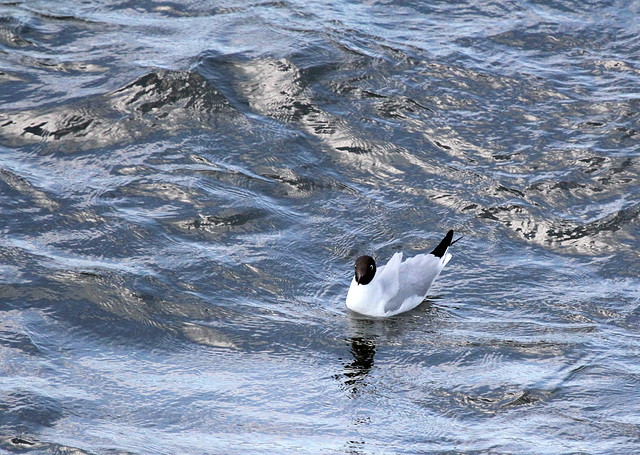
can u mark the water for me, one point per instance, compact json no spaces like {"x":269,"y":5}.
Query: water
{"x":184,"y":188}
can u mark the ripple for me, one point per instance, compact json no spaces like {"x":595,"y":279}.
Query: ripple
{"x":183,"y":189}
{"x":171,"y":99}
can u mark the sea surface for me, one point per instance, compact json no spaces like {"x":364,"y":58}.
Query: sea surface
{"x":184,"y":187}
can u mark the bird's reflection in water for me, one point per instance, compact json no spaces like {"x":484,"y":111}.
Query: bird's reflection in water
{"x":364,"y":334}
{"x":367,"y":335}
{"x":363,"y":350}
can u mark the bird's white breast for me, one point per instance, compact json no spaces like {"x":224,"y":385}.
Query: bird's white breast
{"x":366,"y":298}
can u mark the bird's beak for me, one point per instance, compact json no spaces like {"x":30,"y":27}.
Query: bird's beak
{"x":358,"y":280}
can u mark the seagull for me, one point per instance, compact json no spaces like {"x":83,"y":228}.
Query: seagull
{"x":398,"y":286}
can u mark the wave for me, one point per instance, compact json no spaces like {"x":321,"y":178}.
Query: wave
{"x":161,"y":102}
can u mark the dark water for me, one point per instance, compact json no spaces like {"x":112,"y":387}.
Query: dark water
{"x":184,"y":187}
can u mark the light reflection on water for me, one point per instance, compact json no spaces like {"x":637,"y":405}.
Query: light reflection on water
{"x":184,"y":188}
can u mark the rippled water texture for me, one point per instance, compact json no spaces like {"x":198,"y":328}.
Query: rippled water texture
{"x":184,"y":187}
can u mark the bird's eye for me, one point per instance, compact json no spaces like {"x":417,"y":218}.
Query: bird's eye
{"x":371,"y":266}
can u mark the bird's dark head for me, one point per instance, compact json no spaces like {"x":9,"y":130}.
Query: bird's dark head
{"x":365,"y":269}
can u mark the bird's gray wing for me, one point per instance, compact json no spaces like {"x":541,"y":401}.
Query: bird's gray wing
{"x":415,"y":277}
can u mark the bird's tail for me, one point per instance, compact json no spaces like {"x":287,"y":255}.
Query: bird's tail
{"x":446,"y":242}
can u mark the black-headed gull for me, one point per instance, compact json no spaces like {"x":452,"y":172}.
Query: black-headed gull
{"x":398,"y":286}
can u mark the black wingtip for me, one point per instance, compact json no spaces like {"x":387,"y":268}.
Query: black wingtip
{"x":446,"y":242}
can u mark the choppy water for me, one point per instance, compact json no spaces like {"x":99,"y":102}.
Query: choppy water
{"x":184,"y":187}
